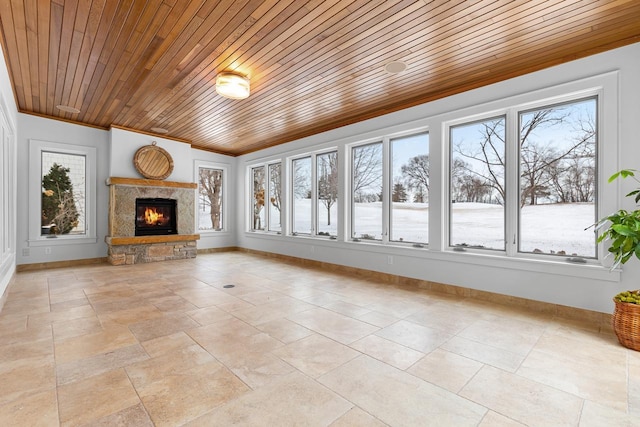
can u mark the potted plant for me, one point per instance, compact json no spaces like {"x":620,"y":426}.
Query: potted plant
{"x":622,"y":229}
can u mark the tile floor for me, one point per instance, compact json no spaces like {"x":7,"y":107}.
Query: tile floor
{"x":169,"y":344}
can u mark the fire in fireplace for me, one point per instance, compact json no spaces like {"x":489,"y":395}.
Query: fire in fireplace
{"x":155,"y":217}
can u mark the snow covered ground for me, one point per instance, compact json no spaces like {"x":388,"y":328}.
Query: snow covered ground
{"x":556,"y":227}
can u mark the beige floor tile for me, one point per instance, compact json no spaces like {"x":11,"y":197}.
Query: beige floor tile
{"x":206,"y":297}
{"x":168,"y":324}
{"x":83,"y":346}
{"x":493,"y":419}
{"x":91,"y":399}
{"x":356,"y":417}
{"x":387,"y":351}
{"x":33,"y":410}
{"x":99,"y":364}
{"x":205,"y":351}
{"x":76,"y":327}
{"x":398,"y":398}
{"x":333,"y":325}
{"x":135,"y":416}
{"x":513,"y":335}
{"x":179,"y":397}
{"x":26,"y":306}
{"x":445,"y":317}
{"x":208,"y":315}
{"x":348,"y":309}
{"x":258,"y":315}
{"x":26,"y":376}
{"x":284,"y":330}
{"x":591,"y":373}
{"x":24,"y":350}
{"x":414,"y":336}
{"x":522,"y":399}
{"x":81,"y":312}
{"x":257,"y":369}
{"x":172,"y":303}
{"x":378,"y":319}
{"x":445,"y":369}
{"x":294,"y":400}
{"x":315,"y":355}
{"x":487,"y":354}
{"x":131,"y":315}
{"x":148,"y":371}
{"x":595,"y":415}
{"x":167,"y":344}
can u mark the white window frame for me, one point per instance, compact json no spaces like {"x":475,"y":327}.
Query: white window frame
{"x":313,"y":157}
{"x":36,"y":148}
{"x":198,"y":164}
{"x":605,"y":88}
{"x":249,"y":192}
{"x":7,"y":188}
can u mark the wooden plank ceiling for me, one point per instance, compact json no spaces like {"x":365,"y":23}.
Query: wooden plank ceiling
{"x":314,"y":65}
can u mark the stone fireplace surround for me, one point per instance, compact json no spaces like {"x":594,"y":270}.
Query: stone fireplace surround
{"x":127,"y":248}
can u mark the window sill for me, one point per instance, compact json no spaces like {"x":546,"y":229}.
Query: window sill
{"x":63,"y":240}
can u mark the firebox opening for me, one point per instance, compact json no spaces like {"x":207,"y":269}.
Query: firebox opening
{"x":155,"y":217}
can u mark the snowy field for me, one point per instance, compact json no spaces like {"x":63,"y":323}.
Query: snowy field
{"x":557,"y":227}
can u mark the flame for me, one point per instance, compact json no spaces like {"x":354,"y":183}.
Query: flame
{"x":151,"y":216}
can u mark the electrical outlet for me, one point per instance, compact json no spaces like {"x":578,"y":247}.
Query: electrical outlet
{"x":47,"y":251}
{"x":389,"y":259}
{"x":26,"y":252}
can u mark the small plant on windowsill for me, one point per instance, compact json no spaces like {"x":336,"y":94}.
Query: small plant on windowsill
{"x":622,"y":229}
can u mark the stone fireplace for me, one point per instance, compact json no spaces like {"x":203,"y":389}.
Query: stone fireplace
{"x":150,"y":220}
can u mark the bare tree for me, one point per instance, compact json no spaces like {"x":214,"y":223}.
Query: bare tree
{"x":328,"y":181}
{"x":275,"y":196}
{"x":367,"y":169}
{"x":302,"y":178}
{"x":258,"y":196}
{"x":416,"y":175}
{"x":211,"y":192}
{"x":489,"y":152}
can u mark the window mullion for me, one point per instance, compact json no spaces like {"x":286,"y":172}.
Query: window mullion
{"x":512,"y":183}
{"x":386,"y":190}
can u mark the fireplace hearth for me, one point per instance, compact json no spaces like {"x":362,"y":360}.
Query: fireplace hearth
{"x":155,"y":216}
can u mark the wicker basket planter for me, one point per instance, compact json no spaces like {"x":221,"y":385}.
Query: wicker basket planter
{"x":626,"y":324}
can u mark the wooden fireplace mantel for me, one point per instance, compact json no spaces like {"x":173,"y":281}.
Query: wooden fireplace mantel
{"x":147,"y":240}
{"x":149,"y":183}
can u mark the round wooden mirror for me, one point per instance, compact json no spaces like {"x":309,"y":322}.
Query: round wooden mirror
{"x":153,"y":162}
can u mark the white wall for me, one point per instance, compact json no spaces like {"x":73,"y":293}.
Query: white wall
{"x":124,"y":145}
{"x":38,"y":128}
{"x":10,"y":112}
{"x":577,"y":286}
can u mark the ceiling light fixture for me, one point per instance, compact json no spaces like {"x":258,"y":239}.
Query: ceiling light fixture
{"x":232,"y":85}
{"x":67,"y":109}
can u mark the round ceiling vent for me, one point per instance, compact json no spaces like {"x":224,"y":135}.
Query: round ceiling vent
{"x":395,"y":67}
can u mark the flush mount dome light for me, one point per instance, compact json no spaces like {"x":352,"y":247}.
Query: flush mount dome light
{"x":395,"y":67}
{"x":232,"y":85}
{"x":67,"y":109}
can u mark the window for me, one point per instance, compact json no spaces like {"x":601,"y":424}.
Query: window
{"x":258,"y":193}
{"x":275,"y":199}
{"x":63,"y":177}
{"x":327,"y":194}
{"x":558,"y":179}
{"x":301,"y":185}
{"x":477,"y":181}
{"x":7,"y":217}
{"x":266,"y":200}
{"x":538,"y":182}
{"x":366,"y":187}
{"x":410,"y":189}
{"x":211,"y":193}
